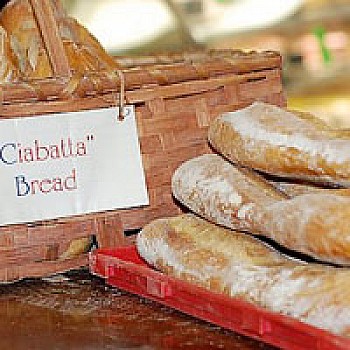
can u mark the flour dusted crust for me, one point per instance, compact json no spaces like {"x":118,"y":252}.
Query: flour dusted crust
{"x":285,"y":143}
{"x":317,"y":224}
{"x":84,"y":52}
{"x":221,"y":192}
{"x":225,"y":261}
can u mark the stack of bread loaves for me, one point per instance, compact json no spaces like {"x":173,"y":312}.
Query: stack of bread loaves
{"x":230,"y":192}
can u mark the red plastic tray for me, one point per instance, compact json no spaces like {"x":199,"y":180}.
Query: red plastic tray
{"x":123,"y":268}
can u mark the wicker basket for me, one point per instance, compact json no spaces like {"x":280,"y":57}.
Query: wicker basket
{"x":175,"y":98}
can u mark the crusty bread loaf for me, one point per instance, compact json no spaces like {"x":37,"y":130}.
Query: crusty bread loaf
{"x":236,"y":264}
{"x":8,"y":71}
{"x":18,"y":20}
{"x":84,"y":52}
{"x":76,"y":247}
{"x":284,"y":143}
{"x":317,"y":224}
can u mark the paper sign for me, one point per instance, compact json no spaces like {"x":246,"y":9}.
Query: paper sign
{"x":67,"y":164}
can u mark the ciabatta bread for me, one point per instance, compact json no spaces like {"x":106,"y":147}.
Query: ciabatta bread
{"x":76,"y":247}
{"x":236,"y":264}
{"x":284,"y":143}
{"x":317,"y":224}
{"x":8,"y":70}
{"x":18,"y":20}
{"x":84,"y":52}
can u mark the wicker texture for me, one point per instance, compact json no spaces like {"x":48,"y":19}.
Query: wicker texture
{"x":146,"y":82}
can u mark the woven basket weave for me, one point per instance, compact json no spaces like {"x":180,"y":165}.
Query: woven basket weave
{"x":175,"y":97}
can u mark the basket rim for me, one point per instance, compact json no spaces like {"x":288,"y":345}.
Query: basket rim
{"x":142,"y":82}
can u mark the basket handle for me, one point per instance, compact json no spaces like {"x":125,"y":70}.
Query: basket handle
{"x":47,"y":24}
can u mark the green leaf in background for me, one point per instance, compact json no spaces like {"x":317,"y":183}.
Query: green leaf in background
{"x":320,"y":34}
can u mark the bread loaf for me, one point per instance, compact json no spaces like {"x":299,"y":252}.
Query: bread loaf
{"x":84,"y":52}
{"x":238,"y":265}
{"x":76,"y":247}
{"x":317,"y":224}
{"x":8,"y":71}
{"x":18,"y":20}
{"x":284,"y":143}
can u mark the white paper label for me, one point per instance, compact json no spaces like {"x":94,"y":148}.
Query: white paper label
{"x":67,"y":164}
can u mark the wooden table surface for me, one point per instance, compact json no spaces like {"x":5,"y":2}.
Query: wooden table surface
{"x":78,"y":311}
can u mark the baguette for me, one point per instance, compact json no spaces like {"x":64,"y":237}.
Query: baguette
{"x":238,"y":265}
{"x":316,"y":224}
{"x":284,"y":143}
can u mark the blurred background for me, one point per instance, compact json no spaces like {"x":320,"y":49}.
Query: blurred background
{"x":313,"y":37}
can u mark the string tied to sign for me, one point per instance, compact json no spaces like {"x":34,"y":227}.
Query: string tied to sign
{"x":122,"y":99}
